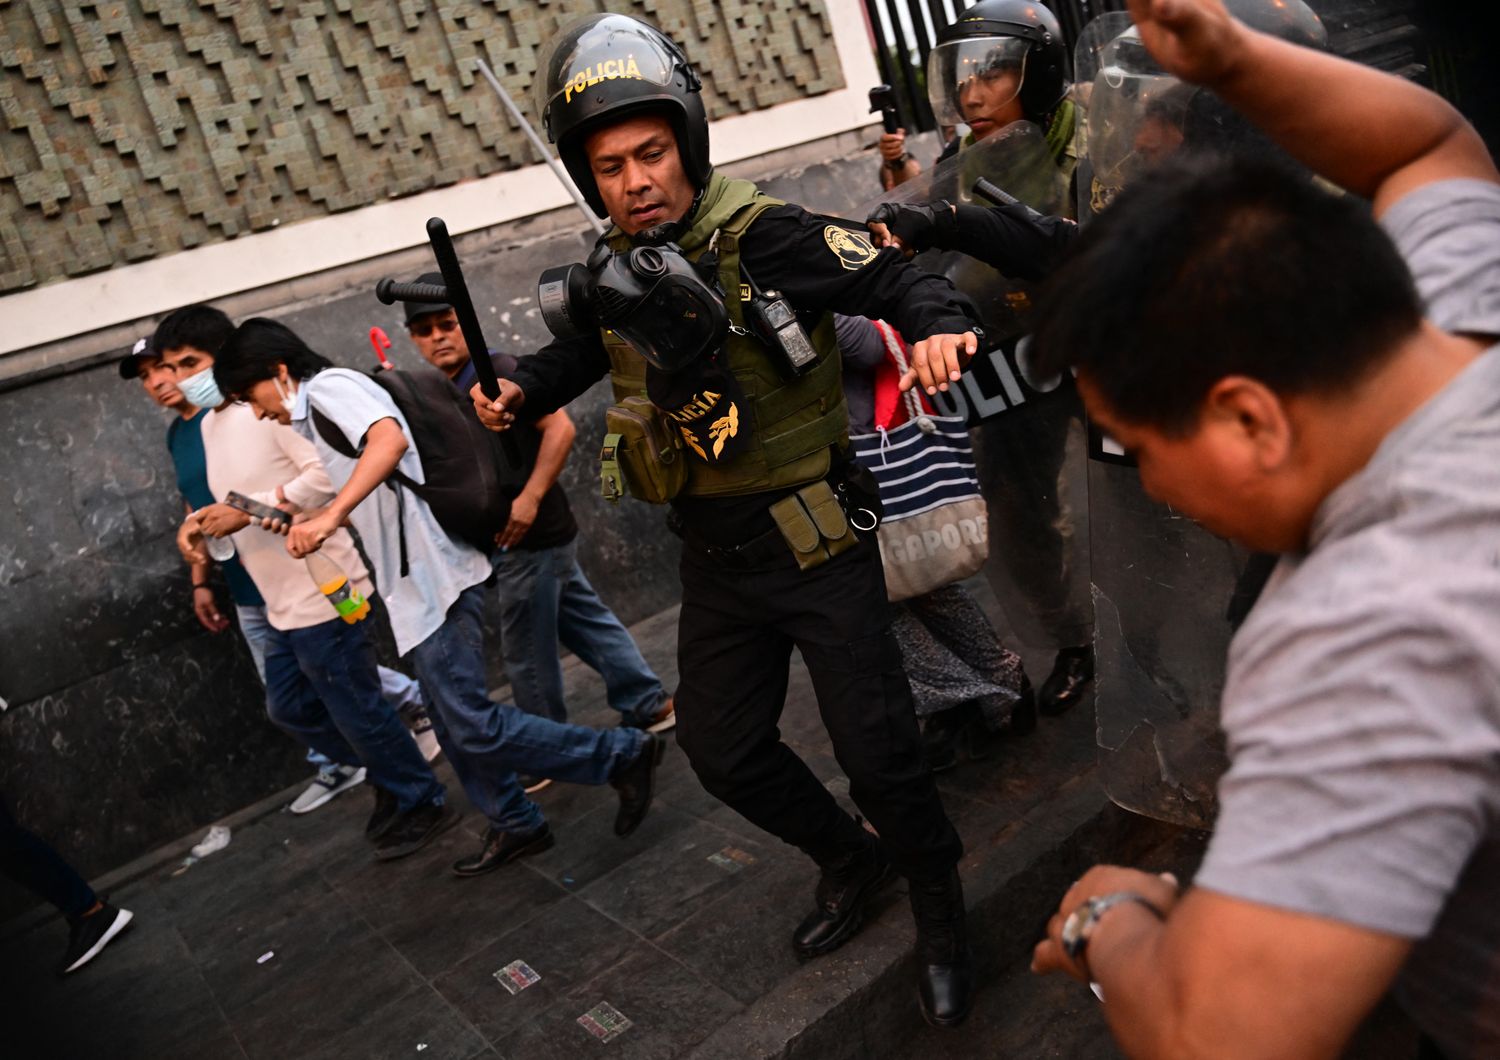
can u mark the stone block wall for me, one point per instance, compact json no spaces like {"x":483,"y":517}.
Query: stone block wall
{"x":138,"y":128}
{"x":130,"y":725}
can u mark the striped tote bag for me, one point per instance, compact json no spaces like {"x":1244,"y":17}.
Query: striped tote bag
{"x":935,"y":530}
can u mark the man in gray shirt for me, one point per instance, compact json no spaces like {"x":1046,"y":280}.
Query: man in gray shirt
{"x":1263,"y":349}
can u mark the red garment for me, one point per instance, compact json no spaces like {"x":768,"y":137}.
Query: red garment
{"x":890,"y":407}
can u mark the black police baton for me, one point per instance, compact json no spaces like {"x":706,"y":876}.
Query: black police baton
{"x":1000,"y":197}
{"x":454,"y":291}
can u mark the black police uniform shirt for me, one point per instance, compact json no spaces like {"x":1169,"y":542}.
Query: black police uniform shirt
{"x":818,"y":263}
{"x":554,"y":524}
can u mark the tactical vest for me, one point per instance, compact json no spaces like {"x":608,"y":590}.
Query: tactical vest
{"x":793,"y":422}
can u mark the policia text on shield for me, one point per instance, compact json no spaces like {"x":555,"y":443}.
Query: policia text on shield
{"x":767,"y":484}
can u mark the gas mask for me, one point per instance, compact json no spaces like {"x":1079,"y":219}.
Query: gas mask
{"x":663,"y":305}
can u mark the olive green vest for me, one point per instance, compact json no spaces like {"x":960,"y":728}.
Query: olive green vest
{"x":793,"y":422}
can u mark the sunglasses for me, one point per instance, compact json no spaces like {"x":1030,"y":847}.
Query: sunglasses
{"x":422,"y":328}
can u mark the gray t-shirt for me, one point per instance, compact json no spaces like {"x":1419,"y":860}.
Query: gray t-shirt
{"x":1362,"y":705}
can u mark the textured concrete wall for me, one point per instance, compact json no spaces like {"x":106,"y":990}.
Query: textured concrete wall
{"x":128,"y":723}
{"x":142,"y":127}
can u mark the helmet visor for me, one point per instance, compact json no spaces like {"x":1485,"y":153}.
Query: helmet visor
{"x":970,"y":80}
{"x":1136,"y":112}
{"x":595,"y":50}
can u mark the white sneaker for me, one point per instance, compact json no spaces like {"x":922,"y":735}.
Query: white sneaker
{"x":330,"y":781}
{"x":420,"y":727}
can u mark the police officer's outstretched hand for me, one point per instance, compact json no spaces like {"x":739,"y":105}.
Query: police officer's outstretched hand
{"x":1195,"y":39}
{"x":938,"y":360}
{"x":499,"y":414}
{"x":909,"y":226}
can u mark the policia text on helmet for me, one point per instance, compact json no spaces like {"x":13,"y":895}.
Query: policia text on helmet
{"x":630,"y":126}
{"x":753,"y":458}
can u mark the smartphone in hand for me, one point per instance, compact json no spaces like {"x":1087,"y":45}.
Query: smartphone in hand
{"x":256,"y":509}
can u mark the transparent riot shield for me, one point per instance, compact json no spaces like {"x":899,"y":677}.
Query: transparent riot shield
{"x":1164,"y":589}
{"x":1028,"y":432}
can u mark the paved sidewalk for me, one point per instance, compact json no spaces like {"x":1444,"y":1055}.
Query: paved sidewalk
{"x":293,"y":943}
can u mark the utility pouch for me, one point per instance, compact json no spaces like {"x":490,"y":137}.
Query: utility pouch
{"x":642,"y":454}
{"x":813,"y":523}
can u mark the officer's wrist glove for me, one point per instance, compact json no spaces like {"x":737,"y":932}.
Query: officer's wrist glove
{"x":917,"y":225}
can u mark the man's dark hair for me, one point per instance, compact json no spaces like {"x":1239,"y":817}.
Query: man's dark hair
{"x":1216,"y":267}
{"x":253,"y":351}
{"x":200,"y":326}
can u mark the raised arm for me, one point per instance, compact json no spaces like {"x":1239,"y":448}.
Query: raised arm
{"x":1370,"y":132}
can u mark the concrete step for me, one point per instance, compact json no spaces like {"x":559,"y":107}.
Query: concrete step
{"x":859,"y":1003}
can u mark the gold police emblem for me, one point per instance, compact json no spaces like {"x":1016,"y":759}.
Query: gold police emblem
{"x":854,"y":249}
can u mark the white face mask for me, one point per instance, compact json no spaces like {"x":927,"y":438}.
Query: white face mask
{"x":202,"y":389}
{"x":287,"y":394}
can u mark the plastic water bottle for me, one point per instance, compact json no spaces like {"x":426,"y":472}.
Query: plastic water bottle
{"x":334,"y":584}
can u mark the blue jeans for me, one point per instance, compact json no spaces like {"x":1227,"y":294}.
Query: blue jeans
{"x":254,"y":627}
{"x":545,"y":598}
{"x":487,"y":743}
{"x":400,"y":691}
{"x":322,"y":687}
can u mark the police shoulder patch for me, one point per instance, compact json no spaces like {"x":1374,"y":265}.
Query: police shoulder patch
{"x":854,"y":249}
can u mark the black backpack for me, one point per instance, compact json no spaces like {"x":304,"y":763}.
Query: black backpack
{"x":470,"y":479}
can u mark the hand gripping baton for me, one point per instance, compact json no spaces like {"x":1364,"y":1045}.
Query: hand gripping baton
{"x":454,"y":292}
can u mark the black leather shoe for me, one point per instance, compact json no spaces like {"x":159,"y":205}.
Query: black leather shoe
{"x":843,"y":889}
{"x":500,"y":847}
{"x":414,"y":829}
{"x":945,"y":970}
{"x":635,"y":781}
{"x":384,"y":814}
{"x":1064,"y":686}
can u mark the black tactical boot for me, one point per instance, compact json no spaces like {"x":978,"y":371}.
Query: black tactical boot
{"x":945,"y":973}
{"x":1071,"y":673}
{"x":846,"y":885}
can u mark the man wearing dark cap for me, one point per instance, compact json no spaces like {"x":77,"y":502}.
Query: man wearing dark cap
{"x":544,"y":595}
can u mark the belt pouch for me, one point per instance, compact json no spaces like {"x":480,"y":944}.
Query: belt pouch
{"x":644,"y":450}
{"x":813,"y":524}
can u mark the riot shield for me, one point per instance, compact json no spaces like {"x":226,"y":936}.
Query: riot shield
{"x":1162,"y":586}
{"x":1028,"y":432}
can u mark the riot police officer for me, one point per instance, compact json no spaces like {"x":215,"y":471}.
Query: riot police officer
{"x":769,"y":559}
{"x":999,"y":62}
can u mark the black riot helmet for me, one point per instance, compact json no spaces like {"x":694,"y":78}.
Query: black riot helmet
{"x":1020,"y":39}
{"x":602,"y":68}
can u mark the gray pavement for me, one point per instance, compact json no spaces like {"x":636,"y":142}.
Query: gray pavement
{"x":292,"y":942}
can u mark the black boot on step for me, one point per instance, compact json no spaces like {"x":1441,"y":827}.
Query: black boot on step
{"x":1071,"y":673}
{"x":846,"y":885}
{"x":945,"y":973}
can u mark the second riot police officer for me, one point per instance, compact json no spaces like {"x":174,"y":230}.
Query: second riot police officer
{"x":708,"y":304}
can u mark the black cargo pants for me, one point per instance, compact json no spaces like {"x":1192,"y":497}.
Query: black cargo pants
{"x":735,"y":637}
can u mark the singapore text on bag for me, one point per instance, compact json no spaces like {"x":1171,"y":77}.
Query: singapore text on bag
{"x":935,"y":530}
